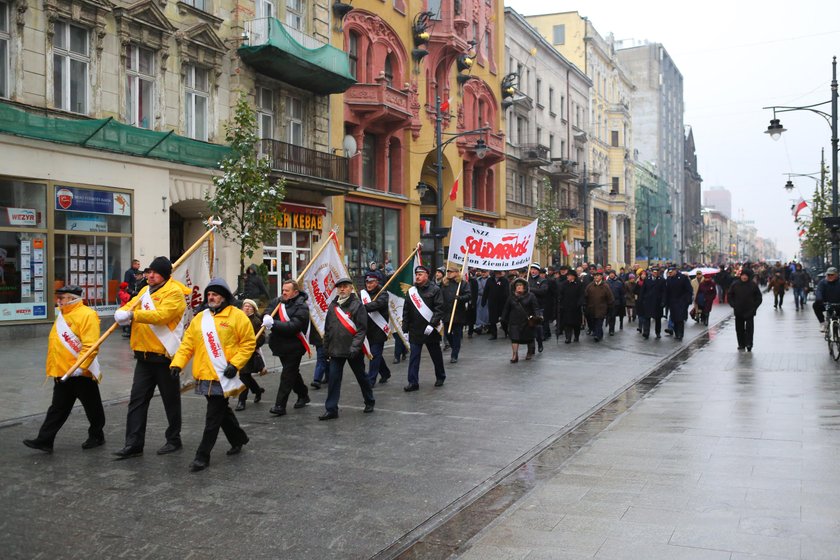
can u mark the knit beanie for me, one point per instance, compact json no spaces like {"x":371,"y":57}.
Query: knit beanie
{"x":162,"y":266}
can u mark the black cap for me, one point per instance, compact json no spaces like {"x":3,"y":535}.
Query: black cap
{"x":370,"y":277}
{"x":70,"y":289}
{"x":343,"y":280}
{"x":421,"y":268}
{"x":219,"y":286}
{"x":572,"y":272}
{"x":162,"y":266}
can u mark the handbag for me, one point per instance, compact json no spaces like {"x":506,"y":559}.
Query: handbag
{"x":535,"y":320}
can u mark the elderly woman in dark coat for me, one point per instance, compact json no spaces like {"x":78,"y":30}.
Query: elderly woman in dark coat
{"x":569,"y":306}
{"x":520,"y":314}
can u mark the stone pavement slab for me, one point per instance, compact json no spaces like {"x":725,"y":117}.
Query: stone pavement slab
{"x":733,"y":456}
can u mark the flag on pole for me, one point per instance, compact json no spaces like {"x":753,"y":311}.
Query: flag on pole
{"x":397,"y":292}
{"x":799,"y":207}
{"x":194,"y":273}
{"x":319,"y":282}
{"x":653,"y":233}
{"x":564,"y":248}
{"x":425,"y":227}
{"x":444,"y":107}
{"x":453,"y":192}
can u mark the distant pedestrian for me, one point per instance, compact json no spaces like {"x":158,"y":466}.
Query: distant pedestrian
{"x":422,"y":316}
{"x":598,"y":298}
{"x":288,"y":341}
{"x":75,"y":330}
{"x":569,"y":306}
{"x":678,"y":296}
{"x":130,"y":276}
{"x":522,"y":316}
{"x":652,"y":299}
{"x":778,"y":285}
{"x":744,"y":297}
{"x":706,"y":292}
{"x":459,"y":299}
{"x":375,"y":302}
{"x":496,"y":292}
{"x":800,"y":280}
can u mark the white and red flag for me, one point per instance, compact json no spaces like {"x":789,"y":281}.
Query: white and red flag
{"x":491,"y":248}
{"x":799,"y":207}
{"x":319,"y":282}
{"x":453,"y":192}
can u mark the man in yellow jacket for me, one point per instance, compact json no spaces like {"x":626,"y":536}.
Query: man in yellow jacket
{"x":155,"y":338}
{"x":221,"y":338}
{"x":76,"y":329}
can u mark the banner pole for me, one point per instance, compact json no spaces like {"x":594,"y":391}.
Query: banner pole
{"x":330,"y":238}
{"x":86,"y":354}
{"x":458,"y":292}
{"x":396,"y":273}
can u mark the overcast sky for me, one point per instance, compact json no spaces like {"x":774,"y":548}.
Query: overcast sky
{"x":737,"y":57}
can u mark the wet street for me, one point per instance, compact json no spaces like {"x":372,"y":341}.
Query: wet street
{"x":623,"y":449}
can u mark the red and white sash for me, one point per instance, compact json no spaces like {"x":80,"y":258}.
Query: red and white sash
{"x":74,"y":345}
{"x":375,"y":316}
{"x":348,"y":323}
{"x":213,"y":345}
{"x":420,"y":305}
{"x":171,"y":339}
{"x":284,"y":317}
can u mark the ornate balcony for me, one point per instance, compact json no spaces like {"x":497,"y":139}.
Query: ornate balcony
{"x":564,"y":169}
{"x":534,"y":154}
{"x":378,"y":102}
{"x":320,"y":171}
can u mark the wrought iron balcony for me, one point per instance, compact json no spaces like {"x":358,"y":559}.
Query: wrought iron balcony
{"x":323,"y":171}
{"x":563,"y":169}
{"x":534,"y":154}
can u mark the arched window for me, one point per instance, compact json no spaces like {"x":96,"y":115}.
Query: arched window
{"x":389,"y":70}
{"x":353,"y":52}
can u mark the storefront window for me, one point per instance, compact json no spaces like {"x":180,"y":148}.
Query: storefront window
{"x":372,"y":235}
{"x":22,"y":204}
{"x":92,"y":242}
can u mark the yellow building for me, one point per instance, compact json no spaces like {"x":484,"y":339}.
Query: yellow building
{"x":413,"y":67}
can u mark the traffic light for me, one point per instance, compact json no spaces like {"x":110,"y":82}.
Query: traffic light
{"x":508,"y":89}
{"x":420,"y":34}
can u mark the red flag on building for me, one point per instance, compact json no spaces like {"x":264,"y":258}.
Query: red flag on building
{"x":453,"y":192}
{"x":799,"y":207}
{"x":444,"y":107}
{"x":564,"y":248}
{"x":425,"y":227}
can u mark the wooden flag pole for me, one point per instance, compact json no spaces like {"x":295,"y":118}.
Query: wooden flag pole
{"x":330,"y":239}
{"x":458,"y":292}
{"x":86,"y":354}
{"x":396,"y":272}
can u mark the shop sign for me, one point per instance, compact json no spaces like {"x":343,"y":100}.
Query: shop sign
{"x":22,"y":216}
{"x":87,"y":222}
{"x":298,"y":216}
{"x":105,"y":310}
{"x":22,"y":311}
{"x":74,"y":199}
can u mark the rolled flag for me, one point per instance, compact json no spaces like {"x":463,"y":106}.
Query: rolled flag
{"x":799,"y":207}
{"x":453,"y":192}
{"x":564,"y":248}
{"x":444,"y":107}
{"x":653,"y":233}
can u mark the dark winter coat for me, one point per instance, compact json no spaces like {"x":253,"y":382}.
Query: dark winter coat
{"x":283,"y":339}
{"x":652,"y":297}
{"x":678,"y":296}
{"x":496,"y":292}
{"x":599,"y":298}
{"x":472,"y":310}
{"x":800,"y":279}
{"x":255,"y":363}
{"x":516,"y":312}
{"x":828,"y":292}
{"x":619,"y":291}
{"x":376,"y":335}
{"x":254,"y":286}
{"x":631,"y":289}
{"x":569,"y":302}
{"x":449,"y":289}
{"x":550,"y":309}
{"x":706,"y":293}
{"x":744,"y":297}
{"x":539,"y":287}
{"x":778,"y":284}
{"x":413,"y":322}
{"x":338,"y":342}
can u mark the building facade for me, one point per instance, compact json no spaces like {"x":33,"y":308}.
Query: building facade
{"x":692,"y":203}
{"x":545,"y":147}
{"x":654,"y":224}
{"x":658,"y":108}
{"x":608,"y":191}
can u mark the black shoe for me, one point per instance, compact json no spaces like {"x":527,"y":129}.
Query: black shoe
{"x":34,"y":444}
{"x":410,"y":388}
{"x":646,"y":336}
{"x":128,"y":452}
{"x":669,"y":332}
{"x":439,"y":383}
{"x":169,"y":448}
{"x":749,"y":348}
{"x":659,"y":336}
{"x":453,"y":360}
{"x":258,"y":396}
{"x":494,"y":337}
{"x":315,"y":385}
{"x":577,"y":339}
{"x":301,"y":402}
{"x":368,"y":408}
{"x":396,"y":361}
{"x":277,"y":411}
{"x":741,"y":348}
{"x":91,"y":443}
{"x":237,"y":449}
{"x":328,"y":416}
{"x":597,"y":339}
{"x":612,"y":333}
{"x":383,"y":380}
{"x":568,"y":341}
{"x":198,"y":465}
{"x":539,"y":346}
{"x":240,"y":406}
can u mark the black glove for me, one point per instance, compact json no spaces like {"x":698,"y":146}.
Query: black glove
{"x":230,"y":371}
{"x":354,"y":354}
{"x":175,"y":372}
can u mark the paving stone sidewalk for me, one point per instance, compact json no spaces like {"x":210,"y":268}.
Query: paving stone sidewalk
{"x":734,"y":456}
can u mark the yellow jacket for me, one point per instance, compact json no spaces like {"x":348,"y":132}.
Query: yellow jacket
{"x":84,"y":322}
{"x":236,"y":335}
{"x":169,"y":310}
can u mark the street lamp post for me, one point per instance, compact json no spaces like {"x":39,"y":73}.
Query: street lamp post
{"x":439,"y":231}
{"x":775,"y":131}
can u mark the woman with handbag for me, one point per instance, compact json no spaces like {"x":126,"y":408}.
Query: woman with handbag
{"x":521,"y":315}
{"x":255,"y":364}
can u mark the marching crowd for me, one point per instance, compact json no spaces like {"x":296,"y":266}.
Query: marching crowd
{"x":223,"y":339}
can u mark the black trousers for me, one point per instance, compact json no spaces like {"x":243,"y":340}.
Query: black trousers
{"x":744,"y":327}
{"x":778,"y":299}
{"x":290,"y":380}
{"x":64,"y":397}
{"x":247,"y":378}
{"x":336,"y":374}
{"x":679,"y":329}
{"x":147,"y":376}
{"x":657,"y":323}
{"x":219,"y":415}
{"x":570,"y":330}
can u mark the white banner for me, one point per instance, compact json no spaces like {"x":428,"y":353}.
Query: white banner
{"x":319,"y":282}
{"x":492,"y":248}
{"x":194,"y":273}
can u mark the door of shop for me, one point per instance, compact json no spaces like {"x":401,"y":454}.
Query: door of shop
{"x":287,"y":259}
